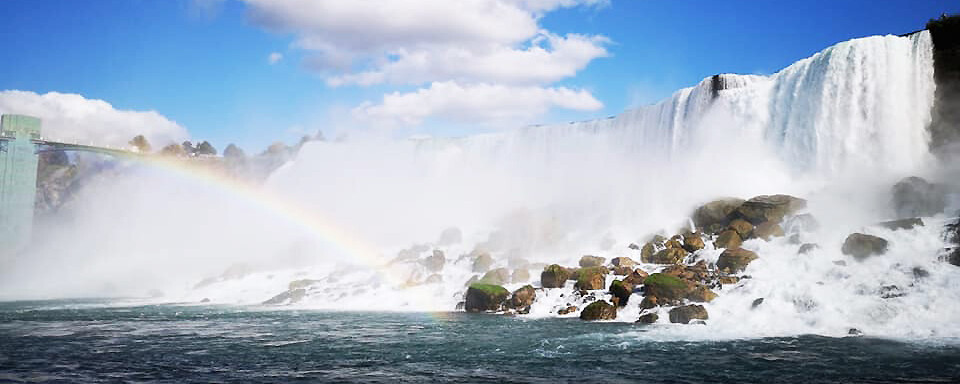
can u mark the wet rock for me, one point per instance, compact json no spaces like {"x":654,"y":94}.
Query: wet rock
{"x":902,"y":224}
{"x":569,"y":309}
{"x":683,"y":314}
{"x":599,"y":310}
{"x":621,"y":291}
{"x":665,"y":287}
{"x":769,"y":208}
{"x":715,"y":213}
{"x":499,"y":276}
{"x":674,"y":242}
{"x":693,"y":242}
{"x":633,"y":246}
{"x":649,"y":318}
{"x":482,"y":262}
{"x":915,"y":197}
{"x":669,"y":256}
{"x":728,"y":239}
{"x":622,"y":271}
{"x":591,"y":261}
{"x":807,"y":248}
{"x":727,"y":280}
{"x":520,"y":276}
{"x":450,"y":236}
{"x":636,"y":277}
{"x":735,"y":260}
{"x":485,"y":297}
{"x":768,"y":230}
{"x":742,"y":227}
{"x":649,"y":302}
{"x":623,"y":262}
{"x":756,"y":303}
{"x":920,"y":273}
{"x":803,"y":222}
{"x":854,"y":332}
{"x":862,"y":246}
{"x":554,"y":276}
{"x":289,"y":297}
{"x":522,"y":298}
{"x":701,"y":294}
{"x":434,"y":262}
{"x":591,"y":278}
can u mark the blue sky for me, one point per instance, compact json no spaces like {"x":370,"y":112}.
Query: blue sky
{"x":205,"y":63}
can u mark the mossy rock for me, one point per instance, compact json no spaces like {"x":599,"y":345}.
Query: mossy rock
{"x":591,"y":278}
{"x":522,"y":298}
{"x":621,"y":291}
{"x":665,"y":287}
{"x":554,"y":276}
{"x":599,"y":310}
{"x":485,"y":297}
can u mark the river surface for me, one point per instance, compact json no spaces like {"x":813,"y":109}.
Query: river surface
{"x":101,"y":341}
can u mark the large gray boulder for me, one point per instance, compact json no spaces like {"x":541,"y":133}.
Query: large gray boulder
{"x":916,"y":197}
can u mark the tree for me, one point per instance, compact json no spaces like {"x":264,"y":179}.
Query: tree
{"x":141,"y":144}
{"x":205,"y":148}
{"x":173,"y":150}
{"x":233,"y":152}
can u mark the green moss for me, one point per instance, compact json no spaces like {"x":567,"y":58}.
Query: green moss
{"x":585,"y":274}
{"x":490,"y":289}
{"x":665,"y":281}
{"x":556,"y":269}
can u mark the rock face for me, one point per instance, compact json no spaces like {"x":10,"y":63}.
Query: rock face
{"x":497,"y":276}
{"x":482,"y":262}
{"x":735,"y":260}
{"x":485,"y":297}
{"x":591,"y":278}
{"x":861,"y":246}
{"x":621,"y":292}
{"x":684,"y":314}
{"x":522,"y":299}
{"x":435,"y":262}
{"x":599,"y":310}
{"x":665,"y":287}
{"x":728,"y":239}
{"x":591,"y":261}
{"x":715,"y":214}
{"x":902,"y":224}
{"x":554,"y":276}
{"x":914,"y":196}
{"x":769,"y":208}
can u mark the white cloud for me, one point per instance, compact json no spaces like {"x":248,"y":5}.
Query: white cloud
{"x":486,"y":103}
{"x":275,"y":57}
{"x":74,"y":118}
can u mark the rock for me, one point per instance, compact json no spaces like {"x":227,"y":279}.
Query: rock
{"x":435,"y":262}
{"x":902,"y":224}
{"x":591,"y":278}
{"x":675,"y":242}
{"x":434,"y":279}
{"x":485,"y":297}
{"x":522,"y":298}
{"x":735,"y":260}
{"x":854,"y":332}
{"x":482,"y":262}
{"x":636,"y":277}
{"x":302,"y":283}
{"x":520,"y":276}
{"x":769,"y":208}
{"x":728,"y":239}
{"x":471,"y":280}
{"x":450,"y":236}
{"x":920,"y":273}
{"x":952,"y":236}
{"x":684,"y":314}
{"x":701,"y":294}
{"x":599,"y":310}
{"x":649,"y":302}
{"x":693,"y":242}
{"x":289,"y":297}
{"x":499,"y":276}
{"x":756,"y":303}
{"x":807,"y":248}
{"x":768,"y":230}
{"x":915,"y":197}
{"x":742,"y":227}
{"x":554,"y":276}
{"x":621,"y":291}
{"x":665,"y":287}
{"x":646,"y":254}
{"x":715,"y":213}
{"x":669,"y":256}
{"x":622,"y":271}
{"x":803,"y":222}
{"x":727,"y":280}
{"x":861,"y":246}
{"x":569,"y":309}
{"x":591,"y":261}
{"x":623,"y":262}
{"x":633,"y":246}
{"x":649,"y":318}
{"x":205,"y":300}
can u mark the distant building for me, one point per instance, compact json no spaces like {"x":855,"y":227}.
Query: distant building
{"x":18,"y":180}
